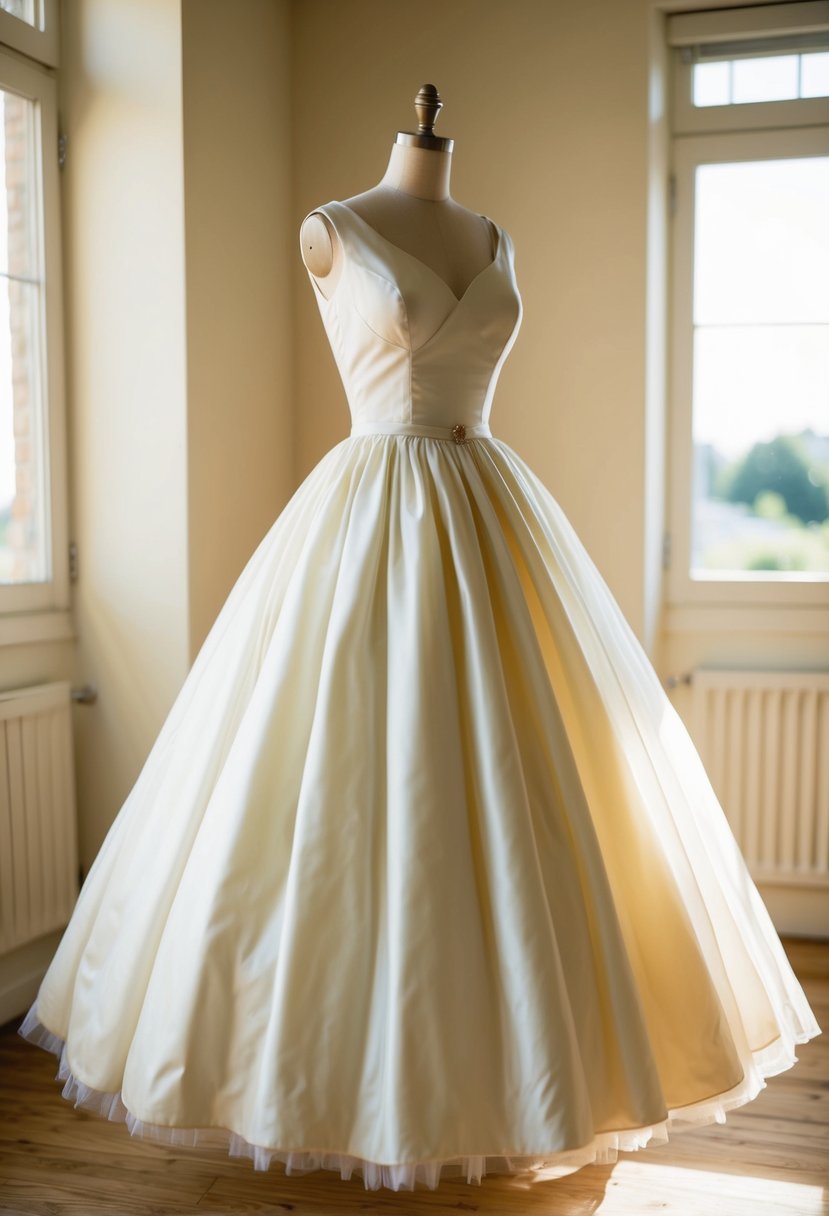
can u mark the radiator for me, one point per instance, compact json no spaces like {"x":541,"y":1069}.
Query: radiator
{"x":764,"y":739}
{"x":38,"y":830}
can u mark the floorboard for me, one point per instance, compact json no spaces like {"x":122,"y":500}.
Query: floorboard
{"x":771,"y":1158}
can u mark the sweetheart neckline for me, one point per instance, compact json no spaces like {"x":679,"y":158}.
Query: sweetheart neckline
{"x":419,"y":261}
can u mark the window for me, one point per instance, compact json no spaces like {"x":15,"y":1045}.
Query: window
{"x":33,"y":509}
{"x":752,"y":78}
{"x":749,"y":512}
{"x":24,"y":10}
{"x":31,"y":27}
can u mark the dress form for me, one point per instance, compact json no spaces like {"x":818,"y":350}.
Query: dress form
{"x":411,"y":207}
{"x":424,"y":872}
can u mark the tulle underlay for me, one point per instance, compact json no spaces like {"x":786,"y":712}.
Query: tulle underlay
{"x":777,"y":1057}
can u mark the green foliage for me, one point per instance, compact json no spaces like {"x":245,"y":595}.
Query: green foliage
{"x":770,"y":505}
{"x":794,"y":548}
{"x":779,"y":466}
{"x":769,"y":560}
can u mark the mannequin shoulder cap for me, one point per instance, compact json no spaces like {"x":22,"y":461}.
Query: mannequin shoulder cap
{"x":319,"y":244}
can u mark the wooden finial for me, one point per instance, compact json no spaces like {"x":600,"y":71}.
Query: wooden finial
{"x":427,"y":106}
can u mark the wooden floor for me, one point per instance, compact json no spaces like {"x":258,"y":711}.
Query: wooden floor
{"x":770,"y":1159}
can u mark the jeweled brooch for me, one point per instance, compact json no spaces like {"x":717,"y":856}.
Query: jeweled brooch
{"x":459,"y":432}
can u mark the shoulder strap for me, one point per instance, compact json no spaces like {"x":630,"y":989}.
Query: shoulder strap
{"x":493,"y":235}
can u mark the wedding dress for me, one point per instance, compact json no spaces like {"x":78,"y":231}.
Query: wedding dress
{"x":423,"y":875}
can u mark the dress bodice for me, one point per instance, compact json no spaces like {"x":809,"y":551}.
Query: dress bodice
{"x":412,"y":355}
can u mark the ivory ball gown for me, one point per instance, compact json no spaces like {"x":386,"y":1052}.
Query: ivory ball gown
{"x":423,"y":875}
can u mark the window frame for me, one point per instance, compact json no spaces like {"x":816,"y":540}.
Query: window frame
{"x":728,"y":589}
{"x":40,"y":43}
{"x":689,"y":119}
{"x":40,"y":610}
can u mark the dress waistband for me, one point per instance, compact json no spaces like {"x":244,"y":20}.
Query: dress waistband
{"x":460,"y":432}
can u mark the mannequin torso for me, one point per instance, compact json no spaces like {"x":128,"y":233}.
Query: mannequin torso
{"x":411,"y":207}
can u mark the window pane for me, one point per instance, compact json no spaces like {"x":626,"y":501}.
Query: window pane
{"x":24,"y":9}
{"x":761,"y":369}
{"x":722,"y":82}
{"x":23,"y":492}
{"x":761,"y":241}
{"x":712,"y":84}
{"x":768,"y":78}
{"x":814,"y":78}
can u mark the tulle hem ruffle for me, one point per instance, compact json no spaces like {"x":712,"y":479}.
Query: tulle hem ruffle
{"x":777,"y":1057}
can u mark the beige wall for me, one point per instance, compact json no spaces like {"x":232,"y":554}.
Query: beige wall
{"x":547,"y":101}
{"x":176,"y":196}
{"x":123,"y":200}
{"x":237,"y":211}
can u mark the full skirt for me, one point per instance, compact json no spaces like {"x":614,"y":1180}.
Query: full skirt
{"x":423,"y":874}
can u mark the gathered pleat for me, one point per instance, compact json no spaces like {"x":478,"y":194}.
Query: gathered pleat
{"x":423,"y":873}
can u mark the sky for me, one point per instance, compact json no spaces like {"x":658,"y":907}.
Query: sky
{"x":761,"y":300}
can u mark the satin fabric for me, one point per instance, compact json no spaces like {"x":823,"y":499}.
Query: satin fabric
{"x":423,"y":874}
